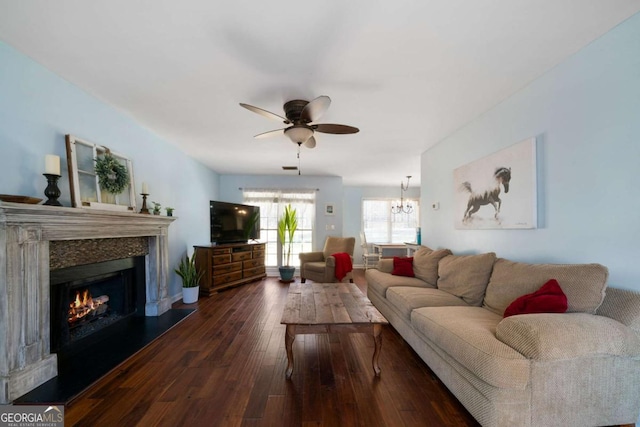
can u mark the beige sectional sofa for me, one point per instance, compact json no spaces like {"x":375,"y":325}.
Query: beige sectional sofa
{"x":578,"y":368}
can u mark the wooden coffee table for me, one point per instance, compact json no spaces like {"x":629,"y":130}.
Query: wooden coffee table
{"x":315,"y":308}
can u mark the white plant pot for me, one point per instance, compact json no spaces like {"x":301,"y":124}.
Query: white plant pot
{"x":190,"y":295}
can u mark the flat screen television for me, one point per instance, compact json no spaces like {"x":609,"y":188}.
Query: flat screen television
{"x":234,"y":222}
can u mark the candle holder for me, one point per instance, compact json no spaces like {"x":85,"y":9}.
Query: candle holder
{"x":144,"y":209}
{"x":52,"y":191}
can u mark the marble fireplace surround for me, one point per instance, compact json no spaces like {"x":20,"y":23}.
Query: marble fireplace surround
{"x":25,"y":233}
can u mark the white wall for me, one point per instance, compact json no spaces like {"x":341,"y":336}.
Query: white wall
{"x":585,"y":114}
{"x":37,"y":109}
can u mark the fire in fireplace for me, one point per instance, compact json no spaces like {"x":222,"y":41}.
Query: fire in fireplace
{"x":85,"y":308}
{"x":89,"y":298}
{"x":87,"y":314}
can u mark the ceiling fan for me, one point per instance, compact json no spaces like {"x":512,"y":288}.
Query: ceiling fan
{"x":299,"y":114}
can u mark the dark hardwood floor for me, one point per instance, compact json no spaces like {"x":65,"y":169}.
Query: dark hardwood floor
{"x":225,"y":366}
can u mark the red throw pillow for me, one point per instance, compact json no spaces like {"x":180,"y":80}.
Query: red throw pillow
{"x":548,"y":299}
{"x":403,"y":266}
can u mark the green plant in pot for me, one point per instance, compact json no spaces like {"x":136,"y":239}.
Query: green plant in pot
{"x":287,"y":226}
{"x":190,"y":278}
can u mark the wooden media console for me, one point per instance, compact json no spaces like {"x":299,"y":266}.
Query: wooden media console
{"x":229,"y":265}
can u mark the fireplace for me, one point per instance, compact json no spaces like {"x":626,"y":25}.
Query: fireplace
{"x":28,"y":235}
{"x":88,"y":300}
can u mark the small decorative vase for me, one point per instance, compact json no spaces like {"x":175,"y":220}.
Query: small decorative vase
{"x":190,"y":295}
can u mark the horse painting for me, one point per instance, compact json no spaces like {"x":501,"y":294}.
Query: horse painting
{"x":491,"y":195}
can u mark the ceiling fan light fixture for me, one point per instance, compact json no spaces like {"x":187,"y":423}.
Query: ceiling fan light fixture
{"x":299,"y":133}
{"x":300,"y":114}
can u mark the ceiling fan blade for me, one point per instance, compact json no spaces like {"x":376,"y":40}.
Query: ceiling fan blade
{"x":315,"y":109}
{"x":265,"y":113}
{"x":270,"y":133}
{"x":310,"y":143}
{"x":333,"y":128}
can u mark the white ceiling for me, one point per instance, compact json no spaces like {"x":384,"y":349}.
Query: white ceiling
{"x":407,"y":73}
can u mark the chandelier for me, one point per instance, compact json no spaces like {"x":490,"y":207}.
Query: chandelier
{"x":402,"y":208}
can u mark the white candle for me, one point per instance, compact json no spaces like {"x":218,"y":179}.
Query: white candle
{"x":52,"y":164}
{"x":145,"y":188}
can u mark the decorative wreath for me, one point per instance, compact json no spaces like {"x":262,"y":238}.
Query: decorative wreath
{"x":112,"y":175}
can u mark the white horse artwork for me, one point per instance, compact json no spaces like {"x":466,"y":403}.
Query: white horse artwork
{"x":498,"y":191}
{"x":491,"y":195}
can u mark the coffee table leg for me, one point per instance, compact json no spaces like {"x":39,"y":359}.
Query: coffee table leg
{"x":288,"y":344}
{"x":377,"y":339}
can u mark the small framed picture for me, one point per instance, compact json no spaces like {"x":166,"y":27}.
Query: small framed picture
{"x":329,"y":209}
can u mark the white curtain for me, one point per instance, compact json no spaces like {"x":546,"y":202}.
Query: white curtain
{"x":272,"y":203}
{"x":271,"y":195}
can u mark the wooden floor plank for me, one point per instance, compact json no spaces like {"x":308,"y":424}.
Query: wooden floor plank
{"x":225,"y":366}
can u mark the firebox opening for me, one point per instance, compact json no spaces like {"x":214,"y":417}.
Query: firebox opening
{"x":87,"y":300}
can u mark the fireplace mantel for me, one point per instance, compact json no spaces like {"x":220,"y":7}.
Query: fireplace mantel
{"x":58,"y":223}
{"x":25,"y":233}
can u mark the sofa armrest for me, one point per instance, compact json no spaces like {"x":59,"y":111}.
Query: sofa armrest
{"x":554,"y":336}
{"x":311,"y":257}
{"x":622,"y":305}
{"x":331,"y":260}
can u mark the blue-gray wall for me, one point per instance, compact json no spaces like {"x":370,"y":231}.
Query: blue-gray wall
{"x":347,"y":201}
{"x":585,"y":114}
{"x":329,"y":191}
{"x":37,"y":109}
{"x":353,"y":208}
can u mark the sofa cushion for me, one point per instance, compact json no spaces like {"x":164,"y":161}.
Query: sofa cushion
{"x":549,"y":336}
{"x":583,"y":284}
{"x":548,"y":299}
{"x":425,"y":264}
{"x":467,"y":334}
{"x":407,"y":298}
{"x":379,"y":282}
{"x":403,"y":266}
{"x":466,"y":276}
{"x":385,"y":265}
{"x":338,"y":244}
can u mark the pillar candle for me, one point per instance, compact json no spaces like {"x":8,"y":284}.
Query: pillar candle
{"x":52,"y":164}
{"x":145,"y":188}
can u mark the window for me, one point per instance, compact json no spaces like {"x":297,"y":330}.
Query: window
{"x":382,"y":226}
{"x":272,"y":203}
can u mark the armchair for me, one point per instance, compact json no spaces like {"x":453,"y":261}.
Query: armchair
{"x":320,"y":266}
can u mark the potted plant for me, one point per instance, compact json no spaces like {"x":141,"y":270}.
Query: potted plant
{"x":190,"y":278}
{"x":287,"y":226}
{"x":156,"y":208}
{"x":169,"y":211}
